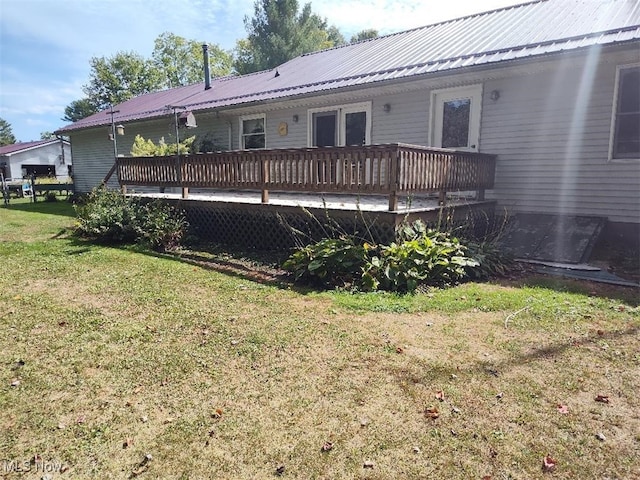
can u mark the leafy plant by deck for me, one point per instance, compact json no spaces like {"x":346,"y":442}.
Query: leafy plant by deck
{"x":147,"y":148}
{"x":420,"y":256}
{"x":109,"y":217}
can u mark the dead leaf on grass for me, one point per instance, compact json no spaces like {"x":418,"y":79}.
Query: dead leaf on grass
{"x":217,"y":413}
{"x":440,"y":395}
{"x":432,"y":412}
{"x":602,"y":398}
{"x":399,"y":350}
{"x":127,"y":443}
{"x":327,"y":446}
{"x":142,"y":466}
{"x":548,"y":464}
{"x":280,"y":470}
{"x":562,"y":408}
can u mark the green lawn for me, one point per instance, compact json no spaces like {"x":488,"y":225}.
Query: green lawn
{"x":121,"y":363}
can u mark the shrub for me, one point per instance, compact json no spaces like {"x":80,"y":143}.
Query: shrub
{"x":109,"y":217}
{"x":146,"y":148}
{"x":331,"y":262}
{"x":419,"y":256}
{"x":422,"y":256}
{"x":491,"y":259}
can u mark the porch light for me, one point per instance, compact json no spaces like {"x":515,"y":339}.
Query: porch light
{"x":386,"y":107}
{"x":494,"y":95}
{"x":120,"y":129}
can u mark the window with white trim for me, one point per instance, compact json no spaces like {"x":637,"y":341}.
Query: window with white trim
{"x":253,"y":132}
{"x":340,"y":125}
{"x":625,"y":134}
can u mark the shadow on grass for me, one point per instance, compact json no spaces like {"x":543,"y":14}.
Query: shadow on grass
{"x":628,"y":295}
{"x":423,"y":371}
{"x":235,"y":264}
{"x":60,"y":207}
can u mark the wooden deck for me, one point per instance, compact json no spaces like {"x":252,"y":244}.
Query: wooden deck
{"x":392,"y":171}
{"x":258,"y":198}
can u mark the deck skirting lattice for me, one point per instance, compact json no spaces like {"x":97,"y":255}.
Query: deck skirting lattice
{"x":278,"y":228}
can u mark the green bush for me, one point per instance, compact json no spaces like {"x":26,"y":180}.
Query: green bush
{"x":491,"y":259}
{"x":422,"y":256}
{"x":331,"y":262}
{"x":146,"y":148}
{"x":419,"y":256}
{"x":109,"y":217}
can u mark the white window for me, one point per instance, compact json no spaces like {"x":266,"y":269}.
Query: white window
{"x":252,"y":132}
{"x":455,"y":118}
{"x":625,"y":125}
{"x":340,"y":125}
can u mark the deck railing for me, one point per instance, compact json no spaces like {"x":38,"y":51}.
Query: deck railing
{"x":391,"y":169}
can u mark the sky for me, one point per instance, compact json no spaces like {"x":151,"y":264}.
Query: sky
{"x":46,"y":45}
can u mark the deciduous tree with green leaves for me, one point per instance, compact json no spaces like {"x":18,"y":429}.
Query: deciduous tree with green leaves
{"x":175,"y":62}
{"x":121,"y":77}
{"x":180,"y":61}
{"x":364,"y":35}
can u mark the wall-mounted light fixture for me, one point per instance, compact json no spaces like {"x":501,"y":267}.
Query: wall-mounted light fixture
{"x":296,"y":118}
{"x":494,"y":95}
{"x":386,"y":107}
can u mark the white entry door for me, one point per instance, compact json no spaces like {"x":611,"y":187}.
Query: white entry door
{"x":455,"y":118}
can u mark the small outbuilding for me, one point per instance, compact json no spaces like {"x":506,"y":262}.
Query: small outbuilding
{"x":44,"y":158}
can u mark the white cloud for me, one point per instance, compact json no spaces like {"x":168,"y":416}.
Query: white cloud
{"x":388,"y":16}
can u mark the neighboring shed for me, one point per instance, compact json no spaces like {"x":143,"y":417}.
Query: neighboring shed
{"x":44,"y":158}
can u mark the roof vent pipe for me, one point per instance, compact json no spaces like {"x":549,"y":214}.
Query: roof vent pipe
{"x":207,"y":77}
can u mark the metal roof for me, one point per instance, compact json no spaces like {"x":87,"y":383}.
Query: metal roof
{"x":21,"y":147}
{"x":527,"y":30}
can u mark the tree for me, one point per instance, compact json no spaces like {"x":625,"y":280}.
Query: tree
{"x":180,"y":61}
{"x":79,"y":109}
{"x":119,"y":78}
{"x":6,"y":134}
{"x":47,"y":135}
{"x":175,"y":62}
{"x":278,"y":32}
{"x":364,"y":35}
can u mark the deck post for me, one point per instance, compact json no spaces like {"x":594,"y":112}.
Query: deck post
{"x":185,"y":192}
{"x":480,"y":195}
{"x":393,"y":180}
{"x":265,"y":180}
{"x":393,"y":201}
{"x":442,"y":197}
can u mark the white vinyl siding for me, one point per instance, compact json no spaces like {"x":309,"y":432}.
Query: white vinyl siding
{"x":551,"y":132}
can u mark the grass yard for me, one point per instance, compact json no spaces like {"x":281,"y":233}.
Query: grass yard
{"x":118,"y":363}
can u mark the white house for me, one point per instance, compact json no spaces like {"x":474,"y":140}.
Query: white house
{"x":44,"y":158}
{"x":551,"y":88}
